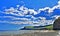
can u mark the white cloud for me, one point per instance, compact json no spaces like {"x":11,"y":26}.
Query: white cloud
{"x":33,"y":11}
{"x":46,"y":22}
{"x":24,"y":10}
{"x":16,"y":18}
{"x":56,"y":16}
{"x":18,"y":6}
{"x":42,"y":22}
{"x":50,"y":9}
{"x":10,"y":10}
{"x":42,"y":18}
{"x":59,"y":2}
{"x":43,"y":9}
{"x":13,"y":11}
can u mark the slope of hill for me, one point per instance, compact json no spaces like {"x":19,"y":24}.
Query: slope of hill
{"x":47,"y":27}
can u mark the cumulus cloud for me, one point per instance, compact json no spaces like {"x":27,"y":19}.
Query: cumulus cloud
{"x":50,"y":9}
{"x":26,"y":12}
{"x":33,"y":11}
{"x":23,"y":11}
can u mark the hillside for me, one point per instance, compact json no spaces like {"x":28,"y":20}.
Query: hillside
{"x":47,"y":27}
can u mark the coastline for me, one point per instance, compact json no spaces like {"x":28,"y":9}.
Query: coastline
{"x":28,"y":33}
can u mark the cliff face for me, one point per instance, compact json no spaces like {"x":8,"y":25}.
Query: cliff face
{"x":56,"y":24}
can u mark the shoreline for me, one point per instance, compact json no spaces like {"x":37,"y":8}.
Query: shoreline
{"x":21,"y":32}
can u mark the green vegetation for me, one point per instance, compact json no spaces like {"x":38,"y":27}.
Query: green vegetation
{"x":49,"y":27}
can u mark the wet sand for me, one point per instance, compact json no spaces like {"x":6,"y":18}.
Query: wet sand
{"x":31,"y":33}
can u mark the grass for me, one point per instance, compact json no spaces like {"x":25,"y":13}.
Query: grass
{"x":48,"y":27}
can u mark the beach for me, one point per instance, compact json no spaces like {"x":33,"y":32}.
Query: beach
{"x":29,"y":33}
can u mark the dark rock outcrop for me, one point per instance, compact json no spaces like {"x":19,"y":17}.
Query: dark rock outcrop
{"x":56,"y":24}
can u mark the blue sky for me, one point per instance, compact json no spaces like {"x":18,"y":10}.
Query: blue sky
{"x":27,"y":11}
{"x":32,"y":3}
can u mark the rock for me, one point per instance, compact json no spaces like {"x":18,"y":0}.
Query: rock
{"x":56,"y":24}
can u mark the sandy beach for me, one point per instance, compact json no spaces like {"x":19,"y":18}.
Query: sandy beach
{"x":29,"y":33}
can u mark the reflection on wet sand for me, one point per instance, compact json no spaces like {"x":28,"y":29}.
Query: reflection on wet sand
{"x":29,"y":33}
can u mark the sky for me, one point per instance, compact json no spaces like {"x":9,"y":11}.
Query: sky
{"x":15,"y":14}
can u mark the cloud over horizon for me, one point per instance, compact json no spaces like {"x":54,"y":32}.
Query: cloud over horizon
{"x":28,"y":15}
